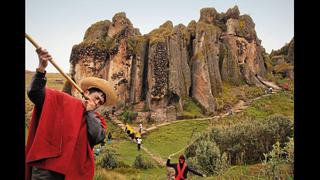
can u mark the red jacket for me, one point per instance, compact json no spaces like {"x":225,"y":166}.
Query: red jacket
{"x":58,"y":140}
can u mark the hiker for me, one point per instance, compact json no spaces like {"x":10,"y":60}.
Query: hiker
{"x":139,"y":140}
{"x":64,"y":129}
{"x":131,"y":135}
{"x":181,"y":168}
{"x":140,"y":128}
{"x":109,"y":137}
{"x":286,"y":86}
{"x":113,"y":110}
{"x":137,"y":135}
{"x":128,"y":129}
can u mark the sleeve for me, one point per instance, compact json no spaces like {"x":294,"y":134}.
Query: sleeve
{"x":96,"y":132}
{"x":36,"y":90}
{"x":102,"y":121}
{"x":194,"y":172}
{"x":169,"y":164}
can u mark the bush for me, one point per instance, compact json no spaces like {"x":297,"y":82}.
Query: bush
{"x":108,"y":160}
{"x":142,"y":163}
{"x":191,"y":109}
{"x":128,"y":116}
{"x":246,"y":142}
{"x":208,"y":158}
{"x":275,"y":159}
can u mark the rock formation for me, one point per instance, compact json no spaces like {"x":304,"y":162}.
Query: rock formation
{"x":155,"y":72}
{"x":282,"y":60}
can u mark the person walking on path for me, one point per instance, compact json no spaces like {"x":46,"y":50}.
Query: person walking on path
{"x":109,"y":137}
{"x":139,"y":140}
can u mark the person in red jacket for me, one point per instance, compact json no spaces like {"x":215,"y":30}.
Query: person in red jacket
{"x":63,"y":129}
{"x":181,"y":168}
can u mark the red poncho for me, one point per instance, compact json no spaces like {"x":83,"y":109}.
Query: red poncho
{"x":59,"y":142}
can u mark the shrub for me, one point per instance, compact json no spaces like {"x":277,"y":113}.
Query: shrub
{"x":246,"y":142}
{"x":208,"y":158}
{"x":128,"y":116}
{"x":108,"y":160}
{"x":191,"y":109}
{"x":275,"y":159}
{"x":142,"y":163}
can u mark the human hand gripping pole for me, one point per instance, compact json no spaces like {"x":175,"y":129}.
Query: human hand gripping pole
{"x":58,"y":68}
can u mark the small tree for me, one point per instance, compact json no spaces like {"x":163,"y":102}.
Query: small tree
{"x":142,"y":163}
{"x":108,"y":160}
{"x":129,"y":116}
{"x":278,"y":157}
{"x":208,"y":158}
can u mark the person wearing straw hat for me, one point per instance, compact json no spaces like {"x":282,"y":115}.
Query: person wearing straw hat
{"x":63,"y":129}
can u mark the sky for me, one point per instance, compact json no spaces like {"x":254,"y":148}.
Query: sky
{"x":58,"y":25}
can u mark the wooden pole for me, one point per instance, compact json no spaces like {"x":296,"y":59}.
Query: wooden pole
{"x":56,"y":66}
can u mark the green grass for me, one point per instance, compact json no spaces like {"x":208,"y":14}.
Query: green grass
{"x":279,"y":103}
{"x":231,"y":95}
{"x":127,"y":152}
{"x":171,"y":138}
{"x":190,"y":109}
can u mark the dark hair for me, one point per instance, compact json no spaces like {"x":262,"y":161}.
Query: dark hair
{"x":182,"y":157}
{"x":93,"y":89}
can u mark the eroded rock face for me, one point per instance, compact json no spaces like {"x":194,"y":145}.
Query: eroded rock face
{"x":179,"y":70}
{"x":208,"y":15}
{"x":282,"y":60}
{"x":238,"y":51}
{"x":156,"y":71}
{"x":233,"y":13}
{"x":206,"y":80}
{"x":158,"y":74}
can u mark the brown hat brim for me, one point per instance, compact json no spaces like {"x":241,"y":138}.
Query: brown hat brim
{"x":103,"y":85}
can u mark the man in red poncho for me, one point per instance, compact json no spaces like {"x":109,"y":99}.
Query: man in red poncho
{"x":181,"y":168}
{"x":63,"y":128}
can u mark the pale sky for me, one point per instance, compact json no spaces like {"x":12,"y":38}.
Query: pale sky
{"x":57,"y":25}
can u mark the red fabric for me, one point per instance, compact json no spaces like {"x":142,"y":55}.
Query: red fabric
{"x":58,"y":141}
{"x":180,"y":171}
{"x":102,"y":121}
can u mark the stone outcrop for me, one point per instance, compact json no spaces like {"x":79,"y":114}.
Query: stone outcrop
{"x":282,"y":60}
{"x":155,"y":72}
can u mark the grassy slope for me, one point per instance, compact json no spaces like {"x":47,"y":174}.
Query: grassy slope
{"x":281,"y":103}
{"x":165,"y":141}
{"x":171,"y":138}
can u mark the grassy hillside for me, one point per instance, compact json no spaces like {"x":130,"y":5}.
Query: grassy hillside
{"x":174,"y":137}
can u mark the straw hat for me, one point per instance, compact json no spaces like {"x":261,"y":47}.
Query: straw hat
{"x":103,"y":85}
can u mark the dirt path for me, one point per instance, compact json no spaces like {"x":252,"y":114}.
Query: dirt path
{"x":156,"y":158}
{"x":239,"y":107}
{"x":268,"y":83}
